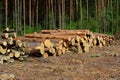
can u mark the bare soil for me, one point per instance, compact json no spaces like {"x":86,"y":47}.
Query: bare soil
{"x":98,"y":64}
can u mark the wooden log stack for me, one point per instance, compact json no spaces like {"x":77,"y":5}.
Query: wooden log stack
{"x":49,"y":43}
{"x":58,"y":42}
{"x":10,"y":49}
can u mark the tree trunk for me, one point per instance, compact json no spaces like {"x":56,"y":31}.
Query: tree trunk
{"x":52,"y":10}
{"x":59,"y":6}
{"x":30,"y":13}
{"x":24,"y":15}
{"x":87,"y":10}
{"x":16,"y":23}
{"x":47,"y":14}
{"x":71,"y":12}
{"x":81,"y":14}
{"x":111,"y":2}
{"x":6,"y":13}
{"x":104,"y":24}
{"x":37,"y":14}
{"x":117,"y":21}
{"x":63,"y":14}
{"x":18,"y":16}
{"x":76,"y":9}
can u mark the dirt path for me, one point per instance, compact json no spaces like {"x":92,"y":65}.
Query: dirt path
{"x":98,"y":64}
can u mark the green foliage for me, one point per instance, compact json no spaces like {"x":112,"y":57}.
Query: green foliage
{"x":33,"y":29}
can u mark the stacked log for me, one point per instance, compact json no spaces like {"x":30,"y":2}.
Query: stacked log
{"x":10,"y":49}
{"x":58,"y":42}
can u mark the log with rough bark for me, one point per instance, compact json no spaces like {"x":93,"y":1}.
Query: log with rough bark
{"x":58,"y":42}
{"x":3,"y":50}
{"x":3,"y":43}
{"x":6,"y":30}
{"x":12,"y":34}
{"x":4,"y":35}
{"x":10,"y":48}
{"x":16,"y":53}
{"x":45,"y":55}
{"x":64,"y":31}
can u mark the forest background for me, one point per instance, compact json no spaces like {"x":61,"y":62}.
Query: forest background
{"x":27,"y":16}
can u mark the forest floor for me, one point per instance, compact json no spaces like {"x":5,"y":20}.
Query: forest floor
{"x":98,"y":64}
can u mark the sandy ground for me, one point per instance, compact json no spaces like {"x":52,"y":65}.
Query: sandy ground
{"x":98,"y":64}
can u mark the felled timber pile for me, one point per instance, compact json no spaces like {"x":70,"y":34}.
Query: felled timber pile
{"x":57,"y":42}
{"x":10,"y":49}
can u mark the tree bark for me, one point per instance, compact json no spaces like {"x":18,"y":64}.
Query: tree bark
{"x":6,"y":13}
{"x":24,"y":15}
{"x":60,"y":21}
{"x":87,"y":10}
{"x":81,"y":14}
{"x":30,"y":13}
{"x":63,"y":14}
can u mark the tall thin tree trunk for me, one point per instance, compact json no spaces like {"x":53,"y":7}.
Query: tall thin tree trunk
{"x":24,"y":16}
{"x":47,"y":13}
{"x":16,"y":27}
{"x":87,"y":11}
{"x":37,"y":14}
{"x":30,"y":13}
{"x":52,"y":8}
{"x":104,"y":24}
{"x":55,"y":12}
{"x":117,"y":21}
{"x":96,"y":10}
{"x":100,"y":22}
{"x":18,"y":16}
{"x":1,"y":14}
{"x":81,"y":14}
{"x":59,"y":6}
{"x":96,"y":14}
{"x":71,"y":12}
{"x":111,"y":15}
{"x":77,"y":9}
{"x":13,"y":15}
{"x":6,"y":13}
{"x":63,"y":14}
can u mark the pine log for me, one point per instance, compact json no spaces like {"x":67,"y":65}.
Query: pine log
{"x":18,"y":43}
{"x":56,"y":31}
{"x":86,"y":48}
{"x":8,"y":51}
{"x":12,"y":34}
{"x":50,"y":50}
{"x":59,"y":52}
{"x":11,"y":54}
{"x":4,"y":35}
{"x":40,"y":48}
{"x":6,"y":30}
{"x":16,"y":53}
{"x":47,"y":43}
{"x":3,"y":43}
{"x":3,"y":50}
{"x":10,"y":41}
{"x":1,"y":59}
{"x":63,"y":50}
{"x":70,"y":33}
{"x":6,"y":58}
{"x":73,"y":41}
{"x":45,"y":55}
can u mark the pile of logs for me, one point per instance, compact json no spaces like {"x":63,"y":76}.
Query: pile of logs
{"x":58,"y":42}
{"x":49,"y":43}
{"x":10,"y":49}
